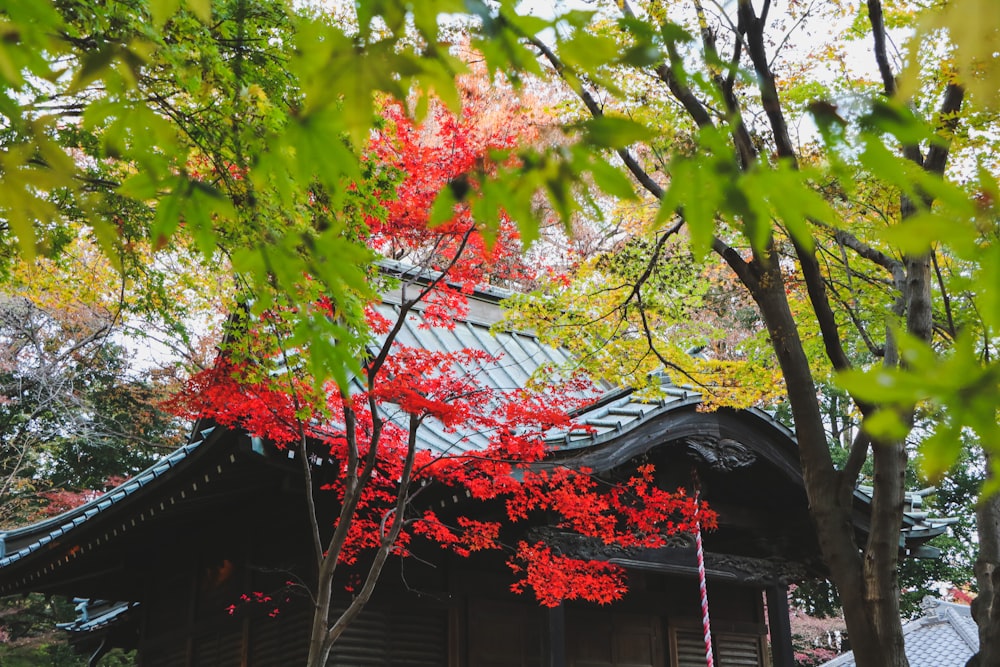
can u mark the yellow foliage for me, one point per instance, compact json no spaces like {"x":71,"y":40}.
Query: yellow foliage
{"x":974,"y":29}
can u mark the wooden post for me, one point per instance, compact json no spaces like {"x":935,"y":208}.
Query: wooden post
{"x":780,"y":626}
{"x":557,"y":637}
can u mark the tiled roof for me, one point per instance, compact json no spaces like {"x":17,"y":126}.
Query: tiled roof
{"x":96,"y":614}
{"x":945,"y":636}
{"x":19,"y":542}
{"x":617,"y":412}
{"x":520,"y":355}
{"x":611,"y":414}
{"x":918,"y":525}
{"x":613,"y":411}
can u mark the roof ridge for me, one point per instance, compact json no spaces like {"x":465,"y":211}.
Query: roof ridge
{"x":961,"y":628}
{"x":407,"y":271}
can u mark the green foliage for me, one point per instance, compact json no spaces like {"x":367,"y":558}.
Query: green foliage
{"x":612,"y":132}
{"x":224,"y":122}
{"x":960,"y":225}
{"x":645,"y":307}
{"x":960,"y":381}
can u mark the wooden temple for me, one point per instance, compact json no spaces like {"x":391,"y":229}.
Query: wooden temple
{"x":167,"y":560}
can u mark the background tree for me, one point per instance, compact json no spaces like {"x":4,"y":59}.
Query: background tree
{"x":80,"y":389}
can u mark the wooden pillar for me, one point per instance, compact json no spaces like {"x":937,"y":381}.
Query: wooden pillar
{"x":780,"y":626}
{"x":556,"y":637}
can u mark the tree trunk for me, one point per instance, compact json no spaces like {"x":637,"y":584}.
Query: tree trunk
{"x":986,"y":607}
{"x":881,"y":555}
{"x":320,"y":624}
{"x":869,"y":588}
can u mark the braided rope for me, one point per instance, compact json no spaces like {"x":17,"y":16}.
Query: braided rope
{"x":703,"y":589}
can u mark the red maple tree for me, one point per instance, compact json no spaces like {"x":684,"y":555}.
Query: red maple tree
{"x":373,"y":428}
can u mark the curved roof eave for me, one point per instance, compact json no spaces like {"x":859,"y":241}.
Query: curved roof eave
{"x":624,"y":424}
{"x":18,"y":543}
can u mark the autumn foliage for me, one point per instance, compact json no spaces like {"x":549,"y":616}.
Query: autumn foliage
{"x":454,"y":153}
{"x":417,"y":385}
{"x":372,"y":429}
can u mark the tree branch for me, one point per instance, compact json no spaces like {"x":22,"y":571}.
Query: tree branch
{"x":681,"y":92}
{"x":881,"y":56}
{"x":937,"y":154}
{"x":385,"y":545}
{"x":855,"y":459}
{"x":945,"y":297}
{"x":753,"y":29}
{"x":596,"y":111}
{"x":653,"y":260}
{"x":743,"y":269}
{"x":864,"y":250}
{"x":741,"y":136}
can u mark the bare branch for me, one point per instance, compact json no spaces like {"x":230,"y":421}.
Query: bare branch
{"x":855,"y":459}
{"x":741,"y":136}
{"x":945,"y":297}
{"x":847,"y":239}
{"x":683,"y":93}
{"x":597,"y":111}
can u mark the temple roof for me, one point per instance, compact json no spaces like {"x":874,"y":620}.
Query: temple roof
{"x":945,"y":635}
{"x":95,"y":615}
{"x":617,"y":424}
{"x":17,"y":543}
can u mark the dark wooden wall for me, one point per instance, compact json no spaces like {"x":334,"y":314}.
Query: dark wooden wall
{"x":464,"y":619}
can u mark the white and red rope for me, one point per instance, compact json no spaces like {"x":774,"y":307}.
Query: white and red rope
{"x":703,"y":589}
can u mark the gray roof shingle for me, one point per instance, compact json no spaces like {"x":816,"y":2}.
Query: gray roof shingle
{"x":945,"y":636}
